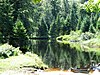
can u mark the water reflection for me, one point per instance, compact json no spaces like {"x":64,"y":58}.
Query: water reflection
{"x":60,"y":55}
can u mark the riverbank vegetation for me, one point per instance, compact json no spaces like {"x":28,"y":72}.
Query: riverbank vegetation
{"x":86,"y":35}
{"x":25,"y":20}
{"x":12,"y":59}
{"x":74,"y":22}
{"x":81,"y":41}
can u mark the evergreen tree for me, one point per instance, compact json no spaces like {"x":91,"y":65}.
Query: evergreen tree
{"x":98,"y":25}
{"x":20,"y":37}
{"x":43,"y":29}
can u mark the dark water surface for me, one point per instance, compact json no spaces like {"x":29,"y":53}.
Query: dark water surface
{"x":60,"y":55}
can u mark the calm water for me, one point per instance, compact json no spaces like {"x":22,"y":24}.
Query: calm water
{"x":60,"y":55}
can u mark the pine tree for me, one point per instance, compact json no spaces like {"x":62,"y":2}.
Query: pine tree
{"x":20,"y":37}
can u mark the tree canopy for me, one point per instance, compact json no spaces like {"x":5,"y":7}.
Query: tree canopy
{"x":25,"y":19}
{"x":92,"y":5}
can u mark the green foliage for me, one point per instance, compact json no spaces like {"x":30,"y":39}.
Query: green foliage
{"x":55,"y":27}
{"x":84,"y":24}
{"x":43,"y":29}
{"x":20,"y":37}
{"x":6,"y":19}
{"x":19,"y":30}
{"x":76,"y":36}
{"x":98,"y":25}
{"x":94,"y":43}
{"x":23,"y":19}
{"x":9,"y":13}
{"x":7,"y":50}
{"x":87,"y":36}
{"x":97,"y":35}
{"x":81,"y":41}
{"x":36,"y":1}
{"x":38,"y":61}
{"x":67,"y":39}
{"x":92,"y":6}
{"x":16,"y":62}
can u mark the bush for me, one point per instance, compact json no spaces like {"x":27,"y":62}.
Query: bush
{"x":7,"y":50}
{"x":87,"y":36}
{"x":97,"y":35}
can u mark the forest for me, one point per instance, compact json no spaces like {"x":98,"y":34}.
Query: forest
{"x":71,"y":22}
{"x":24,"y":20}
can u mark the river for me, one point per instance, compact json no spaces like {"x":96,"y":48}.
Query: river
{"x":62,"y":56}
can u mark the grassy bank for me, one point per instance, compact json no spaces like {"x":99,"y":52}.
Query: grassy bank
{"x":13,"y":59}
{"x":81,"y":41}
{"x":16,"y":62}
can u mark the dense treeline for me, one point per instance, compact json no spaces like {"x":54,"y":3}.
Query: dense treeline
{"x":22,"y":19}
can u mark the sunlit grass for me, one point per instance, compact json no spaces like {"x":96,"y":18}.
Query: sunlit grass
{"x":15,"y":62}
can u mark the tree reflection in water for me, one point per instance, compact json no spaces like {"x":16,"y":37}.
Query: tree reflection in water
{"x":62,"y":56}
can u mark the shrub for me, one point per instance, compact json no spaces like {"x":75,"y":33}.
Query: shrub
{"x":87,"y":36}
{"x":7,"y":50}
